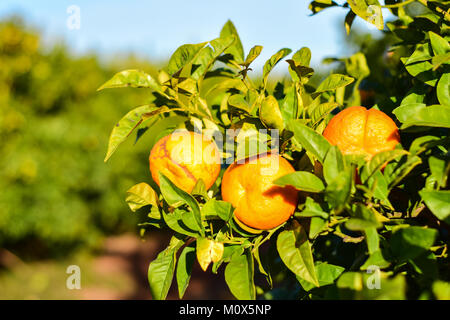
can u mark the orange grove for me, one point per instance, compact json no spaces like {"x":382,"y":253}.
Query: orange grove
{"x":356,"y":130}
{"x":185,"y":157}
{"x":249,"y":188}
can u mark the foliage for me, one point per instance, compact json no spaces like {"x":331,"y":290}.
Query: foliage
{"x":383,"y":237}
{"x":56,"y":193}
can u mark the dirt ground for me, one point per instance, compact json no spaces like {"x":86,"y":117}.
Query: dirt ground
{"x":119,"y":271}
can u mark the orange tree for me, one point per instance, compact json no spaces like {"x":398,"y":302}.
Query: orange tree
{"x":383,"y":235}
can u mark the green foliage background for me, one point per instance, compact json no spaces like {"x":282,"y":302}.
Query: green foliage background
{"x":56,"y":192}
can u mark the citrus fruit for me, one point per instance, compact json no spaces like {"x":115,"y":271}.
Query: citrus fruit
{"x":249,"y":187}
{"x":184,"y":157}
{"x":359,"y":131}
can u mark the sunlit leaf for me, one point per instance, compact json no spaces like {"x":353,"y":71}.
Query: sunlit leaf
{"x":309,"y":139}
{"x":295,"y":251}
{"x":301,"y":180}
{"x":141,"y":195}
{"x":161,"y":270}
{"x":184,"y":268}
{"x":208,"y":251}
{"x":239,"y":274}
{"x":129,"y":123}
{"x":130,"y":78}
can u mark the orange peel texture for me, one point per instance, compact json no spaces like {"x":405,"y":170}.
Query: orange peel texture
{"x":185,"y":157}
{"x":258,"y":202}
{"x":359,"y":131}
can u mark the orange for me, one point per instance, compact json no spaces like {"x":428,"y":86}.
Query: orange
{"x":359,"y":131}
{"x":249,"y":187}
{"x":184,"y":157}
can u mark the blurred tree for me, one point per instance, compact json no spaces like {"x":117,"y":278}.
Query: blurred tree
{"x":56,"y":192}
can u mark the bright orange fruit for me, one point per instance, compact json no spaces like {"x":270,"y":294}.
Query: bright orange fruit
{"x":185,"y":157}
{"x":258,"y":202}
{"x":356,"y":130}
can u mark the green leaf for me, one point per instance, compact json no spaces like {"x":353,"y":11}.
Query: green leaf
{"x":208,"y":251}
{"x":181,"y":221}
{"x":274,"y":59}
{"x":409,"y":242}
{"x":183,"y":56}
{"x":263,"y":266}
{"x":288,"y":105}
{"x":372,"y":239}
{"x":301,"y":180}
{"x":415,"y":95}
{"x":439,"y":170}
{"x":319,"y":5}
{"x":375,"y":259}
{"x":338,"y":192}
{"x":236,"y":49}
{"x":316,"y":226}
{"x":438,"y":202}
{"x":423,"y":143}
{"x":349,"y":18}
{"x":295,"y":251}
{"x":438,"y":44}
{"x":333,"y":164}
{"x":309,"y":139}
{"x":419,"y":64}
{"x":239,"y":274}
{"x":228,"y":252}
{"x":443,"y":89}
{"x":326,"y":275}
{"x":356,"y":66}
{"x":441,"y":290}
{"x":439,"y":60}
{"x":184,"y":268}
{"x":216,"y":208}
{"x":378,"y":161}
{"x":238,"y":101}
{"x":299,"y":65}
{"x":199,"y":189}
{"x":176,"y":197}
{"x":379,"y":185}
{"x":128,"y":123}
{"x":205,"y":58}
{"x":270,"y":113}
{"x":302,"y":57}
{"x":400,"y":170}
{"x":407,"y":111}
{"x":161,"y":270}
{"x":320,"y":111}
{"x":130,"y":78}
{"x":251,"y":140}
{"x":421,"y":53}
{"x":141,"y":195}
{"x":312,"y":209}
{"x":355,"y":285}
{"x":252,"y":55}
{"x":369,"y":10}
{"x":420,"y":115}
{"x":332,"y":82}
{"x":362,"y":218}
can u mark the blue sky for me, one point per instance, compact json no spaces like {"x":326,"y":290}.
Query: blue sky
{"x":154,"y":29}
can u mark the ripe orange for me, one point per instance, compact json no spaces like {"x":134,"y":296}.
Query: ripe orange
{"x":249,"y":187}
{"x":356,"y":130}
{"x":184,"y":157}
